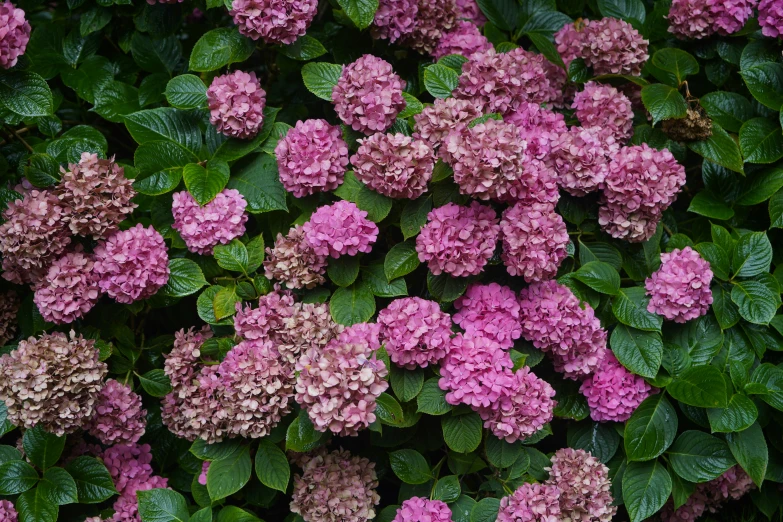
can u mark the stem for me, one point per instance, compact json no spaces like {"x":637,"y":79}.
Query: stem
{"x":18,"y":137}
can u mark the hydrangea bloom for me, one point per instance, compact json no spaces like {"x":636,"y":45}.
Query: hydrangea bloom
{"x":202,"y":477}
{"x":603,"y":106}
{"x":293,"y":261}
{"x":531,"y":503}
{"x":9,"y":307}
{"x":340,"y":229}
{"x":612,"y":46}
{"x":490,"y":311}
{"x":394,"y":19}
{"x":216,"y":223}
{"x":585,"y":488}
{"x":680,"y":289}
{"x":236,"y":102}
{"x":701,"y":18}
{"x":458,"y":240}
{"x":419,"y":509}
{"x":274,"y":21}
{"x":580,"y":159}
{"x":97,"y":195}
{"x":128,"y":464}
{"x":733,"y":484}
{"x":132,"y":264}
{"x":464,"y":39}
{"x":8,"y":512}
{"x":415,"y":332}
{"x":14,"y":34}
{"x":119,"y":416}
{"x":126,"y":507}
{"x":368,"y":95}
{"x":52,"y":380}
{"x":394,"y":165}
{"x":693,"y":508}
{"x":641,"y":183}
{"x":771,"y":18}
{"x":534,"y":240}
{"x":312,"y":158}
{"x":69,"y":290}
{"x":335,"y":486}
{"x":554,"y":321}
{"x":436,"y":121}
{"x":469,"y":10}
{"x":267,"y":319}
{"x":613,"y":393}
{"x":34,"y":232}
{"x":433,"y":19}
{"x":569,"y":40}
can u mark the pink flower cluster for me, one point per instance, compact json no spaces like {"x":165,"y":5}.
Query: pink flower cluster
{"x":585,"y":488}
{"x":8,"y":512}
{"x":465,"y":39}
{"x":698,"y":19}
{"x":419,"y":509}
{"x":469,"y":10}
{"x":119,"y":416}
{"x":534,"y":240}
{"x":771,"y":18}
{"x":340,"y":229}
{"x":216,"y":223}
{"x":9,"y":308}
{"x":415,"y":332}
{"x":394,"y":165}
{"x":14,"y":34}
{"x":433,"y":20}
{"x":436,"y":121}
{"x":490,"y":311}
{"x":680,"y":289}
{"x":294,"y":262}
{"x":531,"y":503}
{"x":613,"y":393}
{"x":274,"y":21}
{"x":458,"y":240}
{"x":603,"y":106}
{"x":312,"y":158}
{"x":394,"y":19}
{"x":69,"y":290}
{"x":236,"y":101}
{"x":130,"y":469}
{"x":608,"y":45}
{"x":710,"y":496}
{"x":581,"y":159}
{"x":368,"y":95}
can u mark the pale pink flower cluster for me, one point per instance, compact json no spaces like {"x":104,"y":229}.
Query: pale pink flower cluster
{"x":69,"y":290}
{"x":710,"y":496}
{"x":531,"y":503}
{"x":312,"y":158}
{"x":274,"y":21}
{"x":433,"y":20}
{"x":9,"y":308}
{"x":641,"y":183}
{"x":771,"y":18}
{"x":534,"y":240}
{"x":490,"y":311}
{"x":335,"y":486}
{"x":130,"y":469}
{"x":394,"y":165}
{"x":368,"y":95}
{"x":698,"y":19}
{"x":608,"y":45}
{"x":202,"y":476}
{"x":458,"y":240}
{"x":613,"y":393}
{"x":554,"y":320}
{"x":14,"y":34}
{"x":236,"y":102}
{"x":585,"y":488}
{"x":419,"y":509}
{"x":394,"y":19}
{"x":216,"y":223}
{"x":445,"y":115}
{"x":119,"y":416}
{"x":52,"y":380}
{"x":294,"y":262}
{"x":464,"y":39}
{"x":415,"y":332}
{"x":581,"y":159}
{"x":603,"y":106}
{"x":8,"y":512}
{"x":680,"y":289}
{"x":469,"y":10}
{"x":340,"y":229}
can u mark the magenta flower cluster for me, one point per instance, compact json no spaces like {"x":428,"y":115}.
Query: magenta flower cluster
{"x":274,"y":21}
{"x":130,"y":469}
{"x":8,"y":512}
{"x":608,"y":45}
{"x":216,"y":223}
{"x":465,"y":39}
{"x":680,"y":289}
{"x":236,"y":102}
{"x":119,"y":417}
{"x":613,"y":393}
{"x":531,"y":503}
{"x":710,"y":496}
{"x":584,"y":485}
{"x":771,"y":18}
{"x":69,"y":290}
{"x":340,"y":229}
{"x":415,"y":332}
{"x":534,"y":240}
{"x":294,"y":262}
{"x":394,"y":165}
{"x":490,"y":311}
{"x":603,"y":106}
{"x":418,"y":509}
{"x":14,"y":34}
{"x":433,"y":20}
{"x":696,"y":19}
{"x":394,"y":19}
{"x":436,"y":121}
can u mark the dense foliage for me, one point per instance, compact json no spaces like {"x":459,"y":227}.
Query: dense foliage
{"x":399,"y":260}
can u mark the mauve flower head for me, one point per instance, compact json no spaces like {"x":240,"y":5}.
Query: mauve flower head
{"x":179,"y":364}
{"x":35,"y":231}
{"x":641,"y":183}
{"x":531,"y":503}
{"x":585,"y":488}
{"x":97,"y":195}
{"x":236,"y":102}
{"x":490,"y":311}
{"x":335,"y":487}
{"x":771,"y":18}
{"x":581,"y":159}
{"x":538,"y":126}
{"x":680,"y":289}
{"x":603,"y":106}
{"x":368,"y":95}
{"x":274,"y":21}
{"x":731,"y":15}
{"x":126,"y":507}
{"x":432,"y":21}
{"x":119,"y":416}
{"x":464,"y":39}
{"x":612,"y":46}
{"x":534,"y":240}
{"x":202,"y":476}
{"x":340,"y":229}
{"x":691,"y":19}
{"x":266,"y":320}
{"x":69,"y":290}
{"x":216,"y":223}
{"x":420,"y":509}
{"x":8,"y":512}
{"x":436,"y":121}
{"x":733,"y":484}
{"x":554,"y":321}
{"x":570,"y":40}
{"x":132,"y":264}
{"x":9,"y":308}
{"x":476,"y":371}
{"x":312,"y":158}
{"x":469,"y":10}
{"x":128,"y":464}
{"x":613,"y":393}
{"x":339,"y":384}
{"x":523,"y":408}
{"x":693,"y":508}
{"x":52,"y":381}
{"x":294,"y":262}
{"x":394,"y":165}
{"x":458,"y":240}
{"x":14,"y":34}
{"x":415,"y":332}
{"x":394,"y":19}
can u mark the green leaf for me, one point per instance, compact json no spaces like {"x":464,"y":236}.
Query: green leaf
{"x":401,"y":260}
{"x":646,"y":488}
{"x":227,"y":476}
{"x":205,"y":305}
{"x":600,"y":252}
{"x":320,"y":78}
{"x":304,"y":48}
{"x":259,"y":183}
{"x":776,"y":210}
{"x":630,"y":308}
{"x":353,"y":304}
{"x":235,"y":514}
{"x":234,"y":148}
{"x":752,"y":255}
{"x":25,"y":94}
{"x":765,"y":83}
{"x":502,"y":454}
{"x":93,"y":482}
{"x":233,"y":256}
{"x":749,"y":447}
{"x":58,"y":487}
{"x":272,"y":466}
{"x":376,"y":205}
{"x":651,"y":429}
{"x":600,"y":440}
{"x":206,"y":183}
{"x":640,"y":352}
{"x":708,"y":205}
{"x":162,"y":505}
{"x":225,"y":301}
{"x":432,"y":400}
{"x":728,"y":109}
{"x":412,"y":106}
{"x":628,"y":10}
{"x":723,"y":307}
{"x":42,"y":170}
{"x":216,"y":451}
{"x":165,"y":124}
{"x":502,"y":13}
{"x":218,"y":48}
{"x":770,"y":379}
{"x":35,"y":506}
{"x":185,"y":278}
{"x":375,"y":278}
{"x":720,"y":148}
{"x":677,"y":63}
{"x":414,"y":216}
{"x":301,"y":436}
{"x":462,"y":433}
{"x":663,"y":102}
{"x":77,"y":48}
{"x":116,"y":100}
{"x":186,"y":91}
{"x":486,"y":510}
{"x":440,"y":80}
{"x":407,"y":384}
{"x":739,"y":415}
{"x":760,"y":186}
{"x":447,"y":489}
{"x":16,"y":476}
{"x":361,"y":12}
{"x":202,"y":515}
{"x":344,"y":270}
{"x":717,"y":257}
{"x":389,"y":410}
{"x":761,"y":140}
{"x":755,"y":301}
{"x":699,"y":457}
{"x":409,"y":466}
{"x":161,"y":55}
{"x":599,"y":276}
{"x":42,"y":448}
{"x":700,"y":386}
{"x":155,"y":382}
{"x":445,"y":288}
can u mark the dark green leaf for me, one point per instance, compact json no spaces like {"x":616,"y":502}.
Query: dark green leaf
{"x":630,"y":308}
{"x":761,"y":140}
{"x":752,"y":255}
{"x":447,"y":489}
{"x":58,"y":487}
{"x":755,"y":301}
{"x":227,"y":476}
{"x":353,"y":304}
{"x":651,"y":429}
{"x":739,"y":415}
{"x":36,"y":506}
{"x":25,"y":94}
{"x":185,"y":278}
{"x":320,"y":78}
{"x":410,"y":466}
{"x":720,"y":148}
{"x":708,"y":205}
{"x":218,"y":48}
{"x":272,"y":466}
{"x":407,"y":384}
{"x":663,"y":102}
{"x":432,"y":400}
{"x":401,"y":260}
{"x":646,"y":487}
{"x":701,"y":386}
{"x":155,"y":382}
{"x":749,"y":447}
{"x":42,"y":448}
{"x":259,"y":183}
{"x":600,"y":440}
{"x":440,"y":80}
{"x":304,"y":48}
{"x":205,"y":183}
{"x":677,"y":63}
{"x":727,"y":109}
{"x":186,"y":91}
{"x":361,"y":12}
{"x":462,"y":433}
{"x":162,"y":505}
{"x":641,"y":352}
{"x":16,"y":476}
{"x":765,"y":83}
{"x":93,"y":482}
{"x":699,"y":457}
{"x":599,"y":276}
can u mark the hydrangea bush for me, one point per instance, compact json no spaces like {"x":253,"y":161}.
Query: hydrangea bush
{"x":391,"y":260}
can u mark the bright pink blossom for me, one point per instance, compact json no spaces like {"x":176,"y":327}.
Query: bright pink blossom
{"x":680,"y":289}
{"x":69,"y":290}
{"x":415,"y":332}
{"x":436,"y":121}
{"x":771,"y":18}
{"x":585,"y":488}
{"x":119,"y":416}
{"x":419,"y":509}
{"x":340,"y":229}
{"x":236,"y":103}
{"x":531,"y":503}
{"x":698,"y":19}
{"x":490,"y":311}
{"x":14,"y":34}
{"x":394,"y":19}
{"x":603,"y":106}
{"x":581,"y":159}
{"x":394,"y":165}
{"x":469,"y":10}
{"x":293,"y":261}
{"x":612,"y":46}
{"x":613,"y":393}
{"x":216,"y":223}
{"x":464,"y":39}
{"x":8,"y":512}
{"x":534,"y":240}
{"x":274,"y":21}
